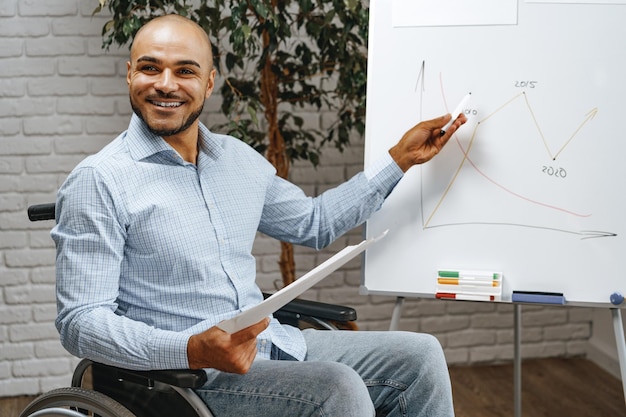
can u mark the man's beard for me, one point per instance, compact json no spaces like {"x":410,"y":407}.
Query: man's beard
{"x":168,"y":132}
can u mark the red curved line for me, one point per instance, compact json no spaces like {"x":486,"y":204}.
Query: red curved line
{"x":512,"y":192}
{"x":502,"y":187}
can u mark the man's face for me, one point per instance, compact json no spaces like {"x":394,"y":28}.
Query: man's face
{"x":169,"y":76}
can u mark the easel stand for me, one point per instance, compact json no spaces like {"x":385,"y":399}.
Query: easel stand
{"x":517,"y":360}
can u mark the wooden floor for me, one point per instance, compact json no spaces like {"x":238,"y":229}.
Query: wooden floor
{"x":550,"y":388}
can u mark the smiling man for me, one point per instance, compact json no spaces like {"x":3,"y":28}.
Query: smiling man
{"x":154,"y":237}
{"x":167,"y":88}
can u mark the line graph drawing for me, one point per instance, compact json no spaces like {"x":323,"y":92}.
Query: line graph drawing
{"x":466,"y":160}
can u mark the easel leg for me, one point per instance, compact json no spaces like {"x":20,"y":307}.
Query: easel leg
{"x":621,"y":344}
{"x":397,"y":313}
{"x":517,"y":361}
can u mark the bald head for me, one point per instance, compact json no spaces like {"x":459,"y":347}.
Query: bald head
{"x":172,"y":27}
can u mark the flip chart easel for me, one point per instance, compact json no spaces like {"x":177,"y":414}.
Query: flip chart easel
{"x":530,"y":185}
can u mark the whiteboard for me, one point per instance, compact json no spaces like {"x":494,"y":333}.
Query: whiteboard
{"x":533,"y":186}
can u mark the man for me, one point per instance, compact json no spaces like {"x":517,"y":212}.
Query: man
{"x":154,"y":237}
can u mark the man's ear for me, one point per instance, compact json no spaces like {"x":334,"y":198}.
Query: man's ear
{"x":210,"y":83}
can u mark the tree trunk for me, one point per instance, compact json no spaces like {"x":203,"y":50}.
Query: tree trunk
{"x":276,"y":151}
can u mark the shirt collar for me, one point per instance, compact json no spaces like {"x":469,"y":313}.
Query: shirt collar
{"x":142,"y":143}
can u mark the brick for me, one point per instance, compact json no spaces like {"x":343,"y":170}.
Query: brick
{"x":367,"y":312}
{"x":50,"y":349}
{"x":57,"y":86}
{"x":46,"y":8}
{"x":468,"y":338}
{"x":19,"y":386}
{"x":456,"y":356}
{"x":8,"y":9}
{"x":5,"y":368}
{"x":551,"y":315}
{"x":40,"y":239}
{"x":32,"y":332}
{"x":568,"y":332}
{"x":41,"y":367}
{"x":13,"y":240}
{"x":87,"y":66}
{"x":444,"y":324}
{"x":25,"y":146}
{"x":15,"y":314}
{"x":111,"y":126}
{"x":55,"y":46}
{"x":21,"y":183}
{"x":482,"y":354}
{"x":16,"y":351}
{"x":12,"y":276}
{"x":21,"y":67}
{"x":27,"y":106}
{"x":28,"y":294}
{"x":91,"y":26}
{"x":52,"y":125}
{"x":12,"y":202}
{"x":82,"y":145}
{"x":11,"y":48}
{"x":45,"y":313}
{"x":69,"y":105}
{"x":23,"y":27}
{"x":10,"y":126}
{"x":29,"y":257}
{"x":122,"y":107}
{"x":110,"y":86}
{"x":11,"y":165}
{"x":43,"y":275}
{"x":51,"y":164}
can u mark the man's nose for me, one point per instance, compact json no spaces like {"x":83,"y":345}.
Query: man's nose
{"x":165,"y":82}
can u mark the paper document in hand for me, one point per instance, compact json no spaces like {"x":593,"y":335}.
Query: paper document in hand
{"x":280,"y":298}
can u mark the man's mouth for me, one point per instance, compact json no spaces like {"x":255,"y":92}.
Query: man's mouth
{"x":167,"y":103}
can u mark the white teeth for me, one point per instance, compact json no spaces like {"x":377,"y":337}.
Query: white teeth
{"x":167,"y":104}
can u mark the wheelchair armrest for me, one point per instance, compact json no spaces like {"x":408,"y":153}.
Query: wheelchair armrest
{"x":182,"y":378}
{"x":319,"y":310}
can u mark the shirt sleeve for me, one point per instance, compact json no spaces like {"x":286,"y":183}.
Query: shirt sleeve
{"x":89,"y":237}
{"x":290,"y":216}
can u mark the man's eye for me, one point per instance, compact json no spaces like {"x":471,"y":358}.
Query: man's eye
{"x":186,"y":71}
{"x":148,"y":68}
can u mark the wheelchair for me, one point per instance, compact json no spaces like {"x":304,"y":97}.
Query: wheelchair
{"x":108,"y":391}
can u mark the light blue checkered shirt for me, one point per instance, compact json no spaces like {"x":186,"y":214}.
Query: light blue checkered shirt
{"x":152,"y":249}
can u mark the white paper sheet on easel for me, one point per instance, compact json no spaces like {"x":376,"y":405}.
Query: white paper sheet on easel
{"x":280,"y":298}
{"x":415,"y":13}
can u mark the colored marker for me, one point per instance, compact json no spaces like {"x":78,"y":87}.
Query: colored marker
{"x":457,"y":111}
{"x":471,"y":282}
{"x":474,"y":275}
{"x":464,"y":297}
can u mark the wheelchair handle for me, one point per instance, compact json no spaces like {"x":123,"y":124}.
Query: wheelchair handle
{"x":41,"y":212}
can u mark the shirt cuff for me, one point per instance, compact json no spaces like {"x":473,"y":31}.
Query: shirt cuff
{"x":169,"y":351}
{"x":384,"y":173}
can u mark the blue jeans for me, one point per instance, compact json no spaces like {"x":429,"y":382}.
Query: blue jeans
{"x":345,"y":374}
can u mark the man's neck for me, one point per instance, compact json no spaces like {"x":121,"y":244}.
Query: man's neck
{"x":186,"y":144}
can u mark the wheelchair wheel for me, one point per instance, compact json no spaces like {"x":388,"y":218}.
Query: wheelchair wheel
{"x":74,"y":402}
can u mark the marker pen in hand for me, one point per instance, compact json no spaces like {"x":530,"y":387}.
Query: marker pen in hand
{"x":457,"y":111}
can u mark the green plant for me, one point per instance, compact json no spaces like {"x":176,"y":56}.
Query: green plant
{"x":274,"y":55}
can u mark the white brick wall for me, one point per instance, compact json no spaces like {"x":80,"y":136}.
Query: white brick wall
{"x":62,"y":98}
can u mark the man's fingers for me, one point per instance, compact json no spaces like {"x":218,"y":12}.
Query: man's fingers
{"x":251,"y":332}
